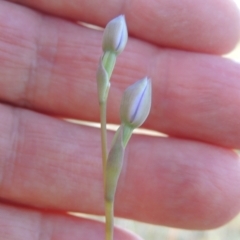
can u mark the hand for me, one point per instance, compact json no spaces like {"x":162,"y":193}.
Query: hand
{"x":48,"y":166}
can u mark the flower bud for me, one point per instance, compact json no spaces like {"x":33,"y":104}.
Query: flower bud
{"x":115,"y":35}
{"x":136,"y":103}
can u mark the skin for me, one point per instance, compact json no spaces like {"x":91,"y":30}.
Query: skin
{"x":49,"y":166}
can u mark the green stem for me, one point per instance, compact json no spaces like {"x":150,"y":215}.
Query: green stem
{"x":127,"y":133}
{"x":109,"y":60}
{"x":109,"y":219}
{"x":108,"y":205}
{"x":103,"y":119}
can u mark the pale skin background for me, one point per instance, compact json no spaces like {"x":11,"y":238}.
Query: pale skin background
{"x":47,"y":72}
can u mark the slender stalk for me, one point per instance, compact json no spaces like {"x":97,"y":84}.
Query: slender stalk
{"x":127,"y":133}
{"x":103,"y":119}
{"x":109,"y":60}
{"x":109,"y":206}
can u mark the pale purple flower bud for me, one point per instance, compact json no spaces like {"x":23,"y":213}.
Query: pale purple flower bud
{"x":115,"y":35}
{"x":136,"y":103}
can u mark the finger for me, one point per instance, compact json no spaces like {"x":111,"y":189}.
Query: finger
{"x":51,"y":68}
{"x":56,"y":165}
{"x":27,"y":224}
{"x":179,"y":24}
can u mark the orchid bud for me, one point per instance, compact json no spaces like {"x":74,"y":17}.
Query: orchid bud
{"x":115,"y":35}
{"x":136,"y":103}
{"x":103,"y":83}
{"x":114,"y":165}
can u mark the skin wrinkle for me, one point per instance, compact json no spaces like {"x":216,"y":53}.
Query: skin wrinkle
{"x":41,"y":64}
{"x":20,"y":64}
{"x":27,"y":95}
{"x":11,"y":157}
{"x":162,"y":62}
{"x":24,"y":43}
{"x":45,"y":228}
{"x":11,"y":31}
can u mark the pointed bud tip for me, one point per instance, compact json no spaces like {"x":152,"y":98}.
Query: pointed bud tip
{"x":115,"y":35}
